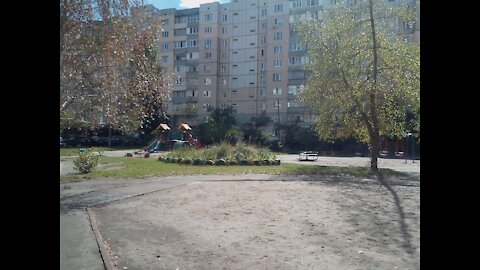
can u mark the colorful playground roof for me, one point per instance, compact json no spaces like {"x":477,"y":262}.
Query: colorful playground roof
{"x":183,"y":127}
{"x":163,"y":127}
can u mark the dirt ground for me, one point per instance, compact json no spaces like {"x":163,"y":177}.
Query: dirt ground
{"x":265,"y":225}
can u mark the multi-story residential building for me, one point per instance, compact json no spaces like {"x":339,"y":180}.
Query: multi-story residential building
{"x":244,"y":54}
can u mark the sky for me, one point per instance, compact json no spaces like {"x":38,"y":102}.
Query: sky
{"x":181,"y":4}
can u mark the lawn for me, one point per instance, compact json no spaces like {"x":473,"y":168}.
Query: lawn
{"x":123,"y":167}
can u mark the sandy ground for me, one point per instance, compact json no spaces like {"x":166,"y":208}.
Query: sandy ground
{"x":265,"y":225}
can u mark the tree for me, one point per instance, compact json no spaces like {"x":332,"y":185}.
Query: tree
{"x":364,"y":77}
{"x":220,"y":122}
{"x":109,"y":72}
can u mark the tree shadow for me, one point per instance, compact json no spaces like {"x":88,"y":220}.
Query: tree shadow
{"x":407,"y":237}
{"x":378,"y":218}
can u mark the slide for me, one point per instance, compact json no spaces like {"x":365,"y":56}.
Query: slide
{"x":155,"y":147}
{"x":150,"y":144}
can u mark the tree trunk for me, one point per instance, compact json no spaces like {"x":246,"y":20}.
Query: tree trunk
{"x":375,"y":147}
{"x":109,"y":136}
{"x":374,"y":128}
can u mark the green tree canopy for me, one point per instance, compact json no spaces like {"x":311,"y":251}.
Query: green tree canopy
{"x":109,"y":72}
{"x":365,"y":78}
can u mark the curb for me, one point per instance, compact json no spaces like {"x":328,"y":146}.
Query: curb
{"x":107,"y":263}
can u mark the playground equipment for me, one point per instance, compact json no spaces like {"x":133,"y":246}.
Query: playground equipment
{"x":187,"y":136}
{"x":162,"y":137}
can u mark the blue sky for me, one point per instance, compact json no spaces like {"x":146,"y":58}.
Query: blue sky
{"x":180,"y":4}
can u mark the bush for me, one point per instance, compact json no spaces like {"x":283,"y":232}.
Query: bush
{"x":85,"y":162}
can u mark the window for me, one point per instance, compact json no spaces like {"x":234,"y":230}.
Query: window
{"x":262,"y":66}
{"x":264,"y":12}
{"x":208,"y":29}
{"x":311,"y":3}
{"x":263,"y":106}
{"x":165,"y":46}
{"x":264,"y":39}
{"x":264,"y":25}
{"x":207,"y":93}
{"x":224,"y":30}
{"x":193,"y":18}
{"x":277,"y":91}
{"x":179,"y":69}
{"x":277,"y":49}
{"x":263,"y":92}
{"x":276,"y":105}
{"x":207,"y":68}
{"x":192,"y":55}
{"x":278,"y":8}
{"x":277,"y":22}
{"x":165,"y":22}
{"x":208,"y":17}
{"x":224,"y":17}
{"x":207,"y":81}
{"x":277,"y":36}
{"x":224,"y":55}
{"x":179,"y":81}
{"x":295,"y":47}
{"x":277,"y":77}
{"x":192,"y":43}
{"x":224,"y":94}
{"x":296,"y":3}
{"x":206,"y":106}
{"x":180,"y":19}
{"x":165,"y":58}
{"x":225,"y":43}
{"x":224,"y":81}
{"x":208,"y":43}
{"x":165,"y":34}
{"x":180,"y":44}
{"x":292,"y":89}
{"x":192,"y":30}
{"x":262,"y":79}
{"x":277,"y":63}
{"x":208,"y":55}
{"x":223,"y":69}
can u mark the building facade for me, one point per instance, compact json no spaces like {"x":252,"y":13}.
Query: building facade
{"x":243,"y":54}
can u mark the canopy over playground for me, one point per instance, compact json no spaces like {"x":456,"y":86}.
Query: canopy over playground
{"x":184,"y":127}
{"x":163,"y":127}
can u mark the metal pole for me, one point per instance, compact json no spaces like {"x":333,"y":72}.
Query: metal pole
{"x":413,"y":149}
{"x":406,"y":146}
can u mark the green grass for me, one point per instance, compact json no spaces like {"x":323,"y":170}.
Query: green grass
{"x":122,"y":167}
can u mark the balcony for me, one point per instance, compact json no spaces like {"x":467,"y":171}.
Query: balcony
{"x":183,"y":100}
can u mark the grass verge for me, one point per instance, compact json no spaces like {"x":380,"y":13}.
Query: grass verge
{"x":122,"y":168}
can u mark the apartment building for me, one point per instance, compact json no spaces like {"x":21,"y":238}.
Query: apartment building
{"x":243,"y":54}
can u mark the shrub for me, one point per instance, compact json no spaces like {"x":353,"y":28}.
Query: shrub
{"x":85,"y":162}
